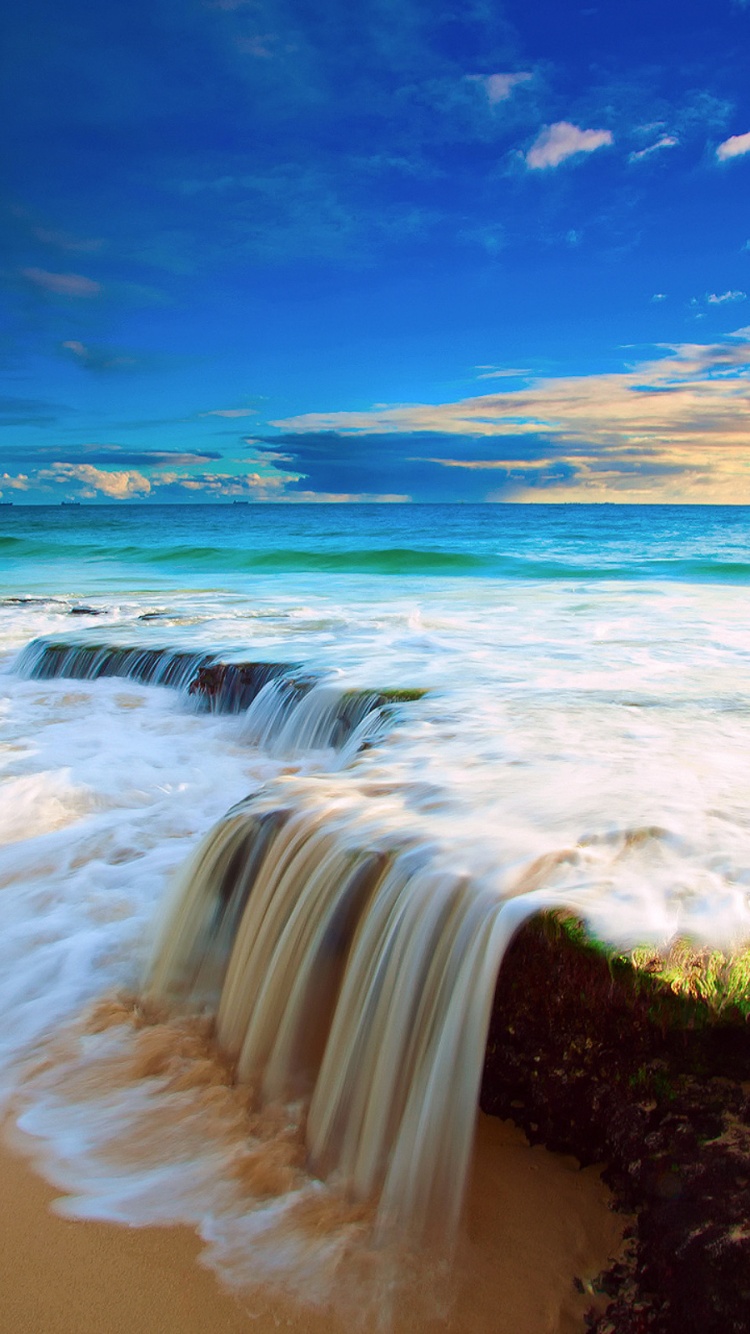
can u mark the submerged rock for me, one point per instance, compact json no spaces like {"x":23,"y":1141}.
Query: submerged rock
{"x":229,"y":687}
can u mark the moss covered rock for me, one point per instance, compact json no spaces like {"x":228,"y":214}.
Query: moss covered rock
{"x":640,"y":1061}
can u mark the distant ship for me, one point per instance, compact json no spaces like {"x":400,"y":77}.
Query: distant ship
{"x":70,"y":504}
{"x":240,"y":502}
{"x":6,"y":504}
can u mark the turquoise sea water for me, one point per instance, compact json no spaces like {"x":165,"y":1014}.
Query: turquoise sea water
{"x":121,"y":545}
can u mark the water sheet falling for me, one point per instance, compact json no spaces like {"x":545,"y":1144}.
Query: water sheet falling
{"x":354,"y":974}
{"x":288,"y":709}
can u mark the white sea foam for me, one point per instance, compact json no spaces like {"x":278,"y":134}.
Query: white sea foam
{"x":588,"y":743}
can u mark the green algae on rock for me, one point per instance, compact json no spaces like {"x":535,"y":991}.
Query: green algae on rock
{"x":639,"y":1061}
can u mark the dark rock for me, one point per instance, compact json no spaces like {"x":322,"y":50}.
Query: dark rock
{"x":227,"y":687}
{"x":599,"y":1061}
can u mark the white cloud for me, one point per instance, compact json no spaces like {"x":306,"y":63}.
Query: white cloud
{"x":735,"y":146}
{"x":18,"y":483}
{"x":252,"y":485}
{"x":562,"y":140}
{"x":117,"y":485}
{"x":666,"y":141}
{"x":725,"y":298}
{"x":63,"y":284}
{"x":499,"y":87}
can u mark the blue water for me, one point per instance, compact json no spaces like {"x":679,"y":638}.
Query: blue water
{"x":135,"y":545}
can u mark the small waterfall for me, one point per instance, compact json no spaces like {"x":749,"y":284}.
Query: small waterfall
{"x":287,"y":710}
{"x":350,"y":971}
{"x":284,"y":719}
{"x":45,"y":660}
{"x":231,"y":687}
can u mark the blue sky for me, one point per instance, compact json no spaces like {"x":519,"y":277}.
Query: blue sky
{"x":276,"y":249}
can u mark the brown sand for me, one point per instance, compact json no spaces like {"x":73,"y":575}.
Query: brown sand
{"x":534,"y":1220}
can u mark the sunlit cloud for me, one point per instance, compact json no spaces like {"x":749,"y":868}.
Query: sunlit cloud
{"x":97,"y":481}
{"x":675,"y":427}
{"x":92,"y":482}
{"x":213,"y":484}
{"x":562,"y":140}
{"x":490,"y":465}
{"x":63,"y":284}
{"x":18,"y":483}
{"x":736,"y":146}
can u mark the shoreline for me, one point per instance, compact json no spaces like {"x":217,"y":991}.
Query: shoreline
{"x":534,"y":1224}
{"x":77,"y":1277}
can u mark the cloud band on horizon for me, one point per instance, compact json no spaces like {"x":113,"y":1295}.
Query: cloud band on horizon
{"x":673,"y":428}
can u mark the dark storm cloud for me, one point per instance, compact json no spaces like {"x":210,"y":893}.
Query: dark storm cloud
{"x":429,"y":466}
{"x":35,"y":457}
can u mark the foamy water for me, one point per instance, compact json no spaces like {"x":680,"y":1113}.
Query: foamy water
{"x":584,"y":740}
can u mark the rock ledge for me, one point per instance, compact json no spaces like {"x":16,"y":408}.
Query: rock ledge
{"x":641,"y":1062}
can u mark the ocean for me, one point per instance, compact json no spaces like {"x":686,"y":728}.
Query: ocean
{"x":278,"y":784}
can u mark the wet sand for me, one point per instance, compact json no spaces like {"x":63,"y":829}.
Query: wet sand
{"x":533,"y":1222}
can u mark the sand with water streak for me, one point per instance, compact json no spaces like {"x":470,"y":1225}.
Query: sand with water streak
{"x":534,"y":1220}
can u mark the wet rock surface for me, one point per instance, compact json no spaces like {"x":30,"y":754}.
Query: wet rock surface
{"x":592,"y":1058}
{"x":229,"y":687}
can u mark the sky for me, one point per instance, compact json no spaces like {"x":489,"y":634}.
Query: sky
{"x":477,"y":250}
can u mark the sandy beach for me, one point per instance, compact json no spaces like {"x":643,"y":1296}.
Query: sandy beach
{"x":534,"y":1220}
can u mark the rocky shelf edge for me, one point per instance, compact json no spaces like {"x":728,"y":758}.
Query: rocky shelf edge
{"x":639,"y":1061}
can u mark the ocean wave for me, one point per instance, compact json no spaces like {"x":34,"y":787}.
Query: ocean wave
{"x":390,"y":561}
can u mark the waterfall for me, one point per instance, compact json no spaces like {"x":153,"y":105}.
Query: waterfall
{"x":353,"y":972}
{"x":46,"y":659}
{"x":346,"y":965}
{"x":287,"y":710}
{"x":284,"y":721}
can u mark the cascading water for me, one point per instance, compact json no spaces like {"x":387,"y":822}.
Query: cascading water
{"x":298,"y":1073}
{"x":287,"y":711}
{"x":576,"y":729}
{"x":45,"y":660}
{"x":351,"y":972}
